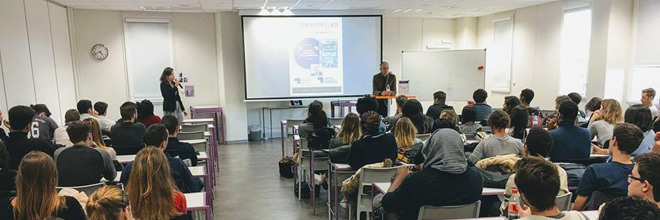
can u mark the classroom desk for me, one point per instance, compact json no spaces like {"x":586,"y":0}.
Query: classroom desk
{"x":487,"y":191}
{"x":197,"y":171}
{"x":336,"y":175}
{"x":591,"y":215}
{"x":125,"y":159}
{"x":198,"y":202}
{"x":197,"y":121}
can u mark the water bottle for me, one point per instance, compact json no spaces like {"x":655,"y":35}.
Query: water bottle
{"x":513,"y":208}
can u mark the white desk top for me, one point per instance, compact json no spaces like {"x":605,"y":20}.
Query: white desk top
{"x":124,"y":159}
{"x":197,"y":171}
{"x":205,"y":106}
{"x":384,"y":186}
{"x":197,"y":120}
{"x":202,"y":156}
{"x":599,"y":156}
{"x":207,"y":134}
{"x":194,"y":141}
{"x":195,"y":200}
{"x":342,"y":166}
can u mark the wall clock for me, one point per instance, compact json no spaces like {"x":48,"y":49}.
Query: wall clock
{"x":99,"y":51}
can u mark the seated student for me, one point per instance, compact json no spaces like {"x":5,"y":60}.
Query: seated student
{"x":43,"y":126}
{"x":592,"y":106}
{"x":444,"y":180}
{"x":349,"y":132}
{"x":648,"y":95}
{"x":127,"y":136}
{"x":538,"y":144}
{"x":86,"y":109}
{"x":145,"y":111}
{"x":483,"y":110}
{"x":107,"y":203}
{"x":414,"y":111}
{"x":400,"y":101}
{"x":603,"y":120}
{"x":151,"y":191}
{"x":470,"y":125}
{"x":450,"y":115}
{"x":369,"y":103}
{"x":629,"y":208}
{"x":374,"y":146}
{"x":36,"y":196}
{"x":97,"y":140}
{"x":538,"y":183}
{"x":526,"y":97}
{"x":18,"y":143}
{"x":551,"y":120}
{"x":176,"y":148}
{"x":499,"y":143}
{"x":61,"y":137}
{"x":519,"y":122}
{"x":409,"y":145}
{"x":609,"y":180}
{"x":577,"y":98}
{"x":157,"y":138}
{"x":3,"y":134}
{"x":439,"y":99}
{"x":510,"y":102}
{"x":101,"y":109}
{"x":644,"y":181}
{"x":569,"y":142}
{"x":81,"y":164}
{"x":640,"y":116}
{"x":313,"y":114}
{"x":7,"y":176}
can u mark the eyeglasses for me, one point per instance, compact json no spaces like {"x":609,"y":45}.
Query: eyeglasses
{"x":631,"y":178}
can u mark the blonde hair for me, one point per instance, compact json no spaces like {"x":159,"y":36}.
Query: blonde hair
{"x":36,"y":196}
{"x":151,"y":189}
{"x":350,"y":129}
{"x":106,"y":203}
{"x":449,"y":115}
{"x":612,"y":112}
{"x":96,"y":133}
{"x":405,"y":133}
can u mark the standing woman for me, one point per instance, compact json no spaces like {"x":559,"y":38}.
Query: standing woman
{"x":36,"y":196}
{"x":172,"y":104}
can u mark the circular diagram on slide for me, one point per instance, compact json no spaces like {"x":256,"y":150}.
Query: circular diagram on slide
{"x":306,"y":53}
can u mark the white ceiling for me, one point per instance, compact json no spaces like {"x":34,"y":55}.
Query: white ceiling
{"x":430,"y":8}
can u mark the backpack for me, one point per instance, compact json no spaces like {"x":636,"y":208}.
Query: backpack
{"x":286,"y":167}
{"x":574,"y":173}
{"x":320,"y":138}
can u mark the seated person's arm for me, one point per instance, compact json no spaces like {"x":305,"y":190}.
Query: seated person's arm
{"x":598,"y":150}
{"x":109,"y":172}
{"x":399,"y":194}
{"x":195,"y":185}
{"x":355,"y":157}
{"x":477,"y":154}
{"x":585,"y":189}
{"x":189,"y":153}
{"x":580,"y":201}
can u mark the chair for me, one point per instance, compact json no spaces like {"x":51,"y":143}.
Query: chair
{"x":449,"y":212}
{"x":564,"y":202}
{"x":424,"y":137}
{"x":369,"y":176}
{"x":88,"y":189}
{"x":194,"y":127}
{"x":336,"y":121}
{"x":200,"y":147}
{"x":190,"y":135}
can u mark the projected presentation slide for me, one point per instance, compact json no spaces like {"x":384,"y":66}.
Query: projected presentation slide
{"x":297,"y":57}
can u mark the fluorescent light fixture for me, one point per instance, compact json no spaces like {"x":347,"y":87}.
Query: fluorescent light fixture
{"x":397,"y":10}
{"x":418,"y":10}
{"x":407,"y":10}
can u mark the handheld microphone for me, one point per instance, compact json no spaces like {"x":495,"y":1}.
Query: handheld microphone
{"x":180,"y":86}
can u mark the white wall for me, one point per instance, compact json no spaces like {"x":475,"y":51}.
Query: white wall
{"x":194,"y":47}
{"x":35,"y":56}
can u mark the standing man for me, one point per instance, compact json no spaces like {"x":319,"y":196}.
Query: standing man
{"x":384,"y":84}
{"x":648,"y":95}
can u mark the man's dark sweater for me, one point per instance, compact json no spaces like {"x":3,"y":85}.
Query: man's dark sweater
{"x":127,"y":135}
{"x":80,"y":165}
{"x":176,"y":148}
{"x":19,"y":145}
{"x":181,"y":175}
{"x":372,"y":149}
{"x":435,"y":110}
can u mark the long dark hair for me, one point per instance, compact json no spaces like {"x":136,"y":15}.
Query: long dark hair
{"x":414,"y":110}
{"x":166,"y":72}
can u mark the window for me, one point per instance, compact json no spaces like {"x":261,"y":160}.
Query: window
{"x":499,"y":55}
{"x":574,"y":55}
{"x":643,"y":77}
{"x":645,"y":72}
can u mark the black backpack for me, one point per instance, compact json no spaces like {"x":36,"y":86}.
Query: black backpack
{"x":320,"y":138}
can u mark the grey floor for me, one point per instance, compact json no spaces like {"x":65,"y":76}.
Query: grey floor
{"x":249,"y":185}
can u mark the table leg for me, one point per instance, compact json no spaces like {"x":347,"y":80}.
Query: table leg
{"x":270,"y":121}
{"x":263,"y":122}
{"x":282,"y":136}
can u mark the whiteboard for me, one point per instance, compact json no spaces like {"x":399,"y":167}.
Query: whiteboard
{"x":456,"y":72}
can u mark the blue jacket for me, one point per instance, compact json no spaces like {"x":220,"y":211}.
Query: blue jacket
{"x":483,"y":111}
{"x":570,"y":142}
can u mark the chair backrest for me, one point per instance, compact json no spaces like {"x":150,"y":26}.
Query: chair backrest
{"x":449,"y":212}
{"x":424,"y":137}
{"x":190,"y":135}
{"x":564,"y":202}
{"x":200,"y":147}
{"x":336,"y":121}
{"x":194,"y":127}
{"x":88,"y":189}
{"x":372,"y":175}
